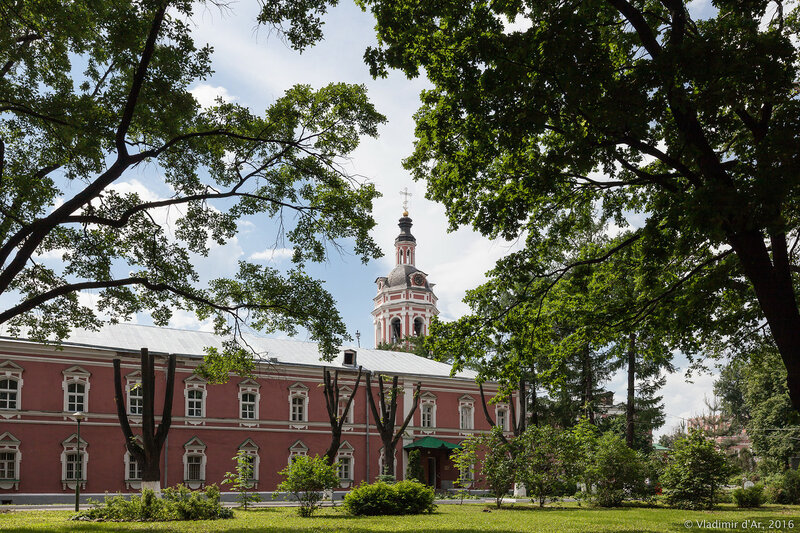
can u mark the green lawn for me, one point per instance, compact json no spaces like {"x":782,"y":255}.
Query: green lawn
{"x":447,"y":519}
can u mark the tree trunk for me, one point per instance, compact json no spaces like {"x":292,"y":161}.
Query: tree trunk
{"x":331,"y":392}
{"x":772,"y":283}
{"x":629,"y":407}
{"x":148,"y":455}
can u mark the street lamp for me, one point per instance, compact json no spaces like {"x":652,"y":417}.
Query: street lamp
{"x":358,"y":337}
{"x":78,"y":416}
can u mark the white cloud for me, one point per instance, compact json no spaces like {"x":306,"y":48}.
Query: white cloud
{"x":185,"y":320}
{"x":207,"y":95}
{"x":272,"y":254}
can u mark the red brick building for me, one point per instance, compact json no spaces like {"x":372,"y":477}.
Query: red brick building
{"x":278,"y":414}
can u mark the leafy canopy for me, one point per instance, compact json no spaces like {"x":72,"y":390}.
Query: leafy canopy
{"x":93,"y":91}
{"x":610,"y":111}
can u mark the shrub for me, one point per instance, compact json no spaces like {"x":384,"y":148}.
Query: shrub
{"x":783,"y":488}
{"x":380,"y":498}
{"x":545,"y":461}
{"x":616,"y":471}
{"x":414,"y":469}
{"x":749,"y":497}
{"x":179,"y":503}
{"x":242,"y":480}
{"x":695,"y":472}
{"x":306,"y":478}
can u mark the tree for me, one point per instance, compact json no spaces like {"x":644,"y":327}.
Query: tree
{"x":242,"y":480}
{"x":491,"y":457}
{"x":337,"y":419}
{"x":546,"y":461}
{"x":615,"y":471}
{"x":84,"y":105}
{"x":620,"y":109}
{"x":695,"y":472}
{"x":385,"y":419}
{"x":307,"y":478}
{"x":147,"y":454}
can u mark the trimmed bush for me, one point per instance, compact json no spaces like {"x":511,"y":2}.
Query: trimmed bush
{"x":749,"y":497}
{"x":179,"y":503}
{"x":380,"y":498}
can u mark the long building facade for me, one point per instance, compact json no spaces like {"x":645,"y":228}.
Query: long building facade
{"x":272,"y":416}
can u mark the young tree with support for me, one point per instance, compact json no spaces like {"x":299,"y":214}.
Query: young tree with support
{"x":148,"y":454}
{"x":337,"y":420}
{"x":385,"y":419}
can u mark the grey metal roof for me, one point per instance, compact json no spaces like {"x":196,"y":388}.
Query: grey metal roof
{"x":132,"y":337}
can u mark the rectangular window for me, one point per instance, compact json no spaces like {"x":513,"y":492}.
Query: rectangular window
{"x":76,"y":397}
{"x":298,"y":409}
{"x":502,"y":421}
{"x":74,"y":467}
{"x":248,"y":405}
{"x":194,"y":406}
{"x":427,"y":415}
{"x":194,"y":462}
{"x":8,"y":394}
{"x":344,"y":469}
{"x":8,"y":465}
{"x":134,"y":469}
{"x":342,"y":406}
{"x":135,"y":399}
{"x":252,"y":460}
{"x":466,"y":417}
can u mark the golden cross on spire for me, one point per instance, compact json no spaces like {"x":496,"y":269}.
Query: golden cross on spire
{"x":407,"y":194}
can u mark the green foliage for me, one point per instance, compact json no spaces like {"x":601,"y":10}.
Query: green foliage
{"x":749,"y":497}
{"x":306,"y":478}
{"x":414,"y":470}
{"x":380,"y":498}
{"x":637,"y":115}
{"x":546,"y":459}
{"x":497,"y":468}
{"x":615,"y":471}
{"x":783,"y":488}
{"x":242,"y":480}
{"x":695,"y":472}
{"x":86,"y":105}
{"x":179,"y":503}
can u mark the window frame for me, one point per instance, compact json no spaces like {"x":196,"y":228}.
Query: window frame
{"x":12,"y":372}
{"x":194,"y":384}
{"x":75,"y":375}
{"x":133,"y":382}
{"x":194,"y":448}
{"x":10,"y":444}
{"x":427,"y":400}
{"x":344,"y":395}
{"x":70,"y":447}
{"x":297,"y":449}
{"x":251,"y":449}
{"x":300,"y":392}
{"x":345,"y":452}
{"x":249,"y":387}
{"x":132,"y":482}
{"x":466,"y":402}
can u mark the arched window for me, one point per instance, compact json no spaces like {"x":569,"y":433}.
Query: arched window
{"x":76,"y":389}
{"x":10,"y":386}
{"x":397,"y":332}
{"x":418,"y":326}
{"x":194,"y":463}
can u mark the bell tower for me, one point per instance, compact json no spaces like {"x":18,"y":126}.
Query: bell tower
{"x":405,"y":302}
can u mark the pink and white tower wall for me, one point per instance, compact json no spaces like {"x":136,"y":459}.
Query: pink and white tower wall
{"x":405,"y":303}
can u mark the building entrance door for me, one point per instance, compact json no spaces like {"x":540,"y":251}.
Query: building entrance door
{"x":432,"y":471}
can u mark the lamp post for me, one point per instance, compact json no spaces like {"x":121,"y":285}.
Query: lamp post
{"x":358,"y":338}
{"x":78,"y":416}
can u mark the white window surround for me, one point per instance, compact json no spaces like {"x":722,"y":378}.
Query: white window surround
{"x":251,"y":449}
{"x":12,"y":372}
{"x":249,"y":387}
{"x":75,"y":375}
{"x":297,"y":419}
{"x":70,"y":446}
{"x":466,"y":412}
{"x":427,"y":402}
{"x":298,"y":448}
{"x":194,"y":448}
{"x":345,"y":453}
{"x":10,"y":444}
{"x":498,"y":409}
{"x":133,"y":391}
{"x":196,"y":385}
{"x":132,"y":482}
{"x":344,"y":395}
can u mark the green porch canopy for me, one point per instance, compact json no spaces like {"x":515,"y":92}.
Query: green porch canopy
{"x":430,"y":443}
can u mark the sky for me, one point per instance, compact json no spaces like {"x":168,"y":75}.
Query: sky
{"x":253,"y":68}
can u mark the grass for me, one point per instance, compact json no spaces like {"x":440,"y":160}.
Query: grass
{"x":448,"y":519}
